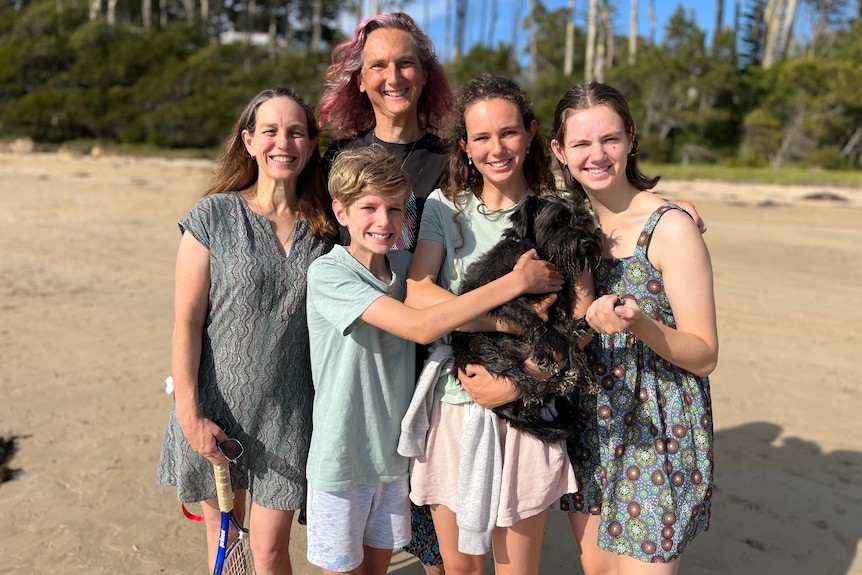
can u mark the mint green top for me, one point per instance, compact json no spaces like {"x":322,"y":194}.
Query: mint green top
{"x":481,"y":229}
{"x":363,"y":376}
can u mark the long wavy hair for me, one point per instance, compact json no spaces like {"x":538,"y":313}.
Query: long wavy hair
{"x":346,"y":112}
{"x":583,"y":97}
{"x":463,"y":177}
{"x":237,"y":171}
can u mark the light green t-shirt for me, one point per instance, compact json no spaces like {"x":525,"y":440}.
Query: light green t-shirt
{"x":480,"y":230}
{"x":363,"y":376}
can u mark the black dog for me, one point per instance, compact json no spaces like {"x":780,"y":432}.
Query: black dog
{"x":562,"y":229}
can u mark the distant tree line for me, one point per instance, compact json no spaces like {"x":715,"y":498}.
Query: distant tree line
{"x":175,"y":73}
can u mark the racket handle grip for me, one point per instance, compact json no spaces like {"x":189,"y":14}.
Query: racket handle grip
{"x":224,"y":492}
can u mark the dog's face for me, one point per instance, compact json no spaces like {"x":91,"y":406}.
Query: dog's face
{"x":563,"y":231}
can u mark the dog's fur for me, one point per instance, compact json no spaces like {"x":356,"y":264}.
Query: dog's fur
{"x":562,"y":229}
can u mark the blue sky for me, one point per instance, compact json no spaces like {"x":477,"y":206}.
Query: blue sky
{"x":430,"y":15}
{"x":510,"y":11}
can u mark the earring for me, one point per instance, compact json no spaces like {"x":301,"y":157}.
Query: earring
{"x":469,"y":161}
{"x":528,"y":149}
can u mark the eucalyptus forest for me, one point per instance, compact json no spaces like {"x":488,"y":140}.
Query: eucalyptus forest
{"x":780,"y":85}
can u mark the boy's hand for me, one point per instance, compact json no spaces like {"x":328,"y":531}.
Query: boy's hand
{"x":539,"y":275}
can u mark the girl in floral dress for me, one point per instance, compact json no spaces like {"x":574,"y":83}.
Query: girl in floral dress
{"x":643,"y":454}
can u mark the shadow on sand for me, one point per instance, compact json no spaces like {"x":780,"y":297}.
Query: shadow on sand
{"x":781,"y":506}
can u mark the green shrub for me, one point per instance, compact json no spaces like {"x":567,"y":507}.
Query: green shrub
{"x":828,"y":158}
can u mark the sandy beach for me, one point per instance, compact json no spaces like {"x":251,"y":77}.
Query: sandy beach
{"x":87,"y":248}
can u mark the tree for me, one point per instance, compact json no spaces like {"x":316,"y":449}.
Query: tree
{"x":460,"y":27}
{"x":753,"y":33}
{"x":778,"y":19}
{"x":534,"y":48}
{"x":633,"y":33}
{"x":590,"y":55}
{"x":827,"y":16}
{"x":568,"y":65}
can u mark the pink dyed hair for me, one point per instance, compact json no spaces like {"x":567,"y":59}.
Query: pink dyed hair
{"x":346,"y":112}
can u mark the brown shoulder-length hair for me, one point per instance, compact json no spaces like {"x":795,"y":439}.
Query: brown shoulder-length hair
{"x":237,"y":171}
{"x":582,"y":97}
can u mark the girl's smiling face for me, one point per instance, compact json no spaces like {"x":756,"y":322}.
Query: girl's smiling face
{"x":595,"y":148}
{"x":281,"y":143}
{"x":497,"y":143}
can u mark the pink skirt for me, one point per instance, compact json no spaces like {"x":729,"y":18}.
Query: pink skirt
{"x":535,"y":474}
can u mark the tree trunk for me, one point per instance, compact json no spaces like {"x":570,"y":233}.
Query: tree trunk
{"x":652,"y":22}
{"x":205,"y":15}
{"x":569,"y":63}
{"x":787,"y":28}
{"x":719,"y":15}
{"x":590,"y":55}
{"x":719,"y":24}
{"x":607,"y":41}
{"x":534,"y":44}
{"x":601,"y":45}
{"x":288,"y":30}
{"x":112,"y":12}
{"x":633,"y":32}
{"x":146,"y":14}
{"x":58,"y":5}
{"x":772,"y":23}
{"x":460,"y":27}
{"x":316,"y":25}
{"x":737,"y":15}
{"x":95,"y":9}
{"x":188,"y":6}
{"x":163,"y":14}
{"x":273,"y":33}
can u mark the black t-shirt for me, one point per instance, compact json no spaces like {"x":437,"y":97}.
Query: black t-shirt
{"x":423,"y":161}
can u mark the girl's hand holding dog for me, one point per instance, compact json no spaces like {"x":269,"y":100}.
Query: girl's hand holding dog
{"x":610,"y":314}
{"x":539,"y":276}
{"x":485,"y":389}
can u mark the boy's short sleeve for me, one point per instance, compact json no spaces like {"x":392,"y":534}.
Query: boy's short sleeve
{"x":338,"y":294}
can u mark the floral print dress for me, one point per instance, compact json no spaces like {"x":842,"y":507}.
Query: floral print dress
{"x":643,"y":454}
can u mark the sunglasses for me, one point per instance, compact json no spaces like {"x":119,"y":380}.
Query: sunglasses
{"x":231,"y":448}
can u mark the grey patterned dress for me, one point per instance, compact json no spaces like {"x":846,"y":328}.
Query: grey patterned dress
{"x":255,"y":371}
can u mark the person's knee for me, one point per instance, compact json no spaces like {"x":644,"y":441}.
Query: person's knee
{"x":270,"y":553}
{"x":598,"y":562}
{"x":461,"y":564}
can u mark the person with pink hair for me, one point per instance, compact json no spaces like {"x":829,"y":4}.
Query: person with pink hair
{"x":386,"y":88}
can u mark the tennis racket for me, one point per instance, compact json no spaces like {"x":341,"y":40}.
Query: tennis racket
{"x":233,"y":559}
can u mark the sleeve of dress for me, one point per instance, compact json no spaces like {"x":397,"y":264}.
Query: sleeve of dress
{"x":197,"y":221}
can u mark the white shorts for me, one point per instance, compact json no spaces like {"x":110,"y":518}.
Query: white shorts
{"x":341,"y":523}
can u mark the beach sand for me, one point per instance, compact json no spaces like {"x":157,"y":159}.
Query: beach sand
{"x":87,"y":248}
